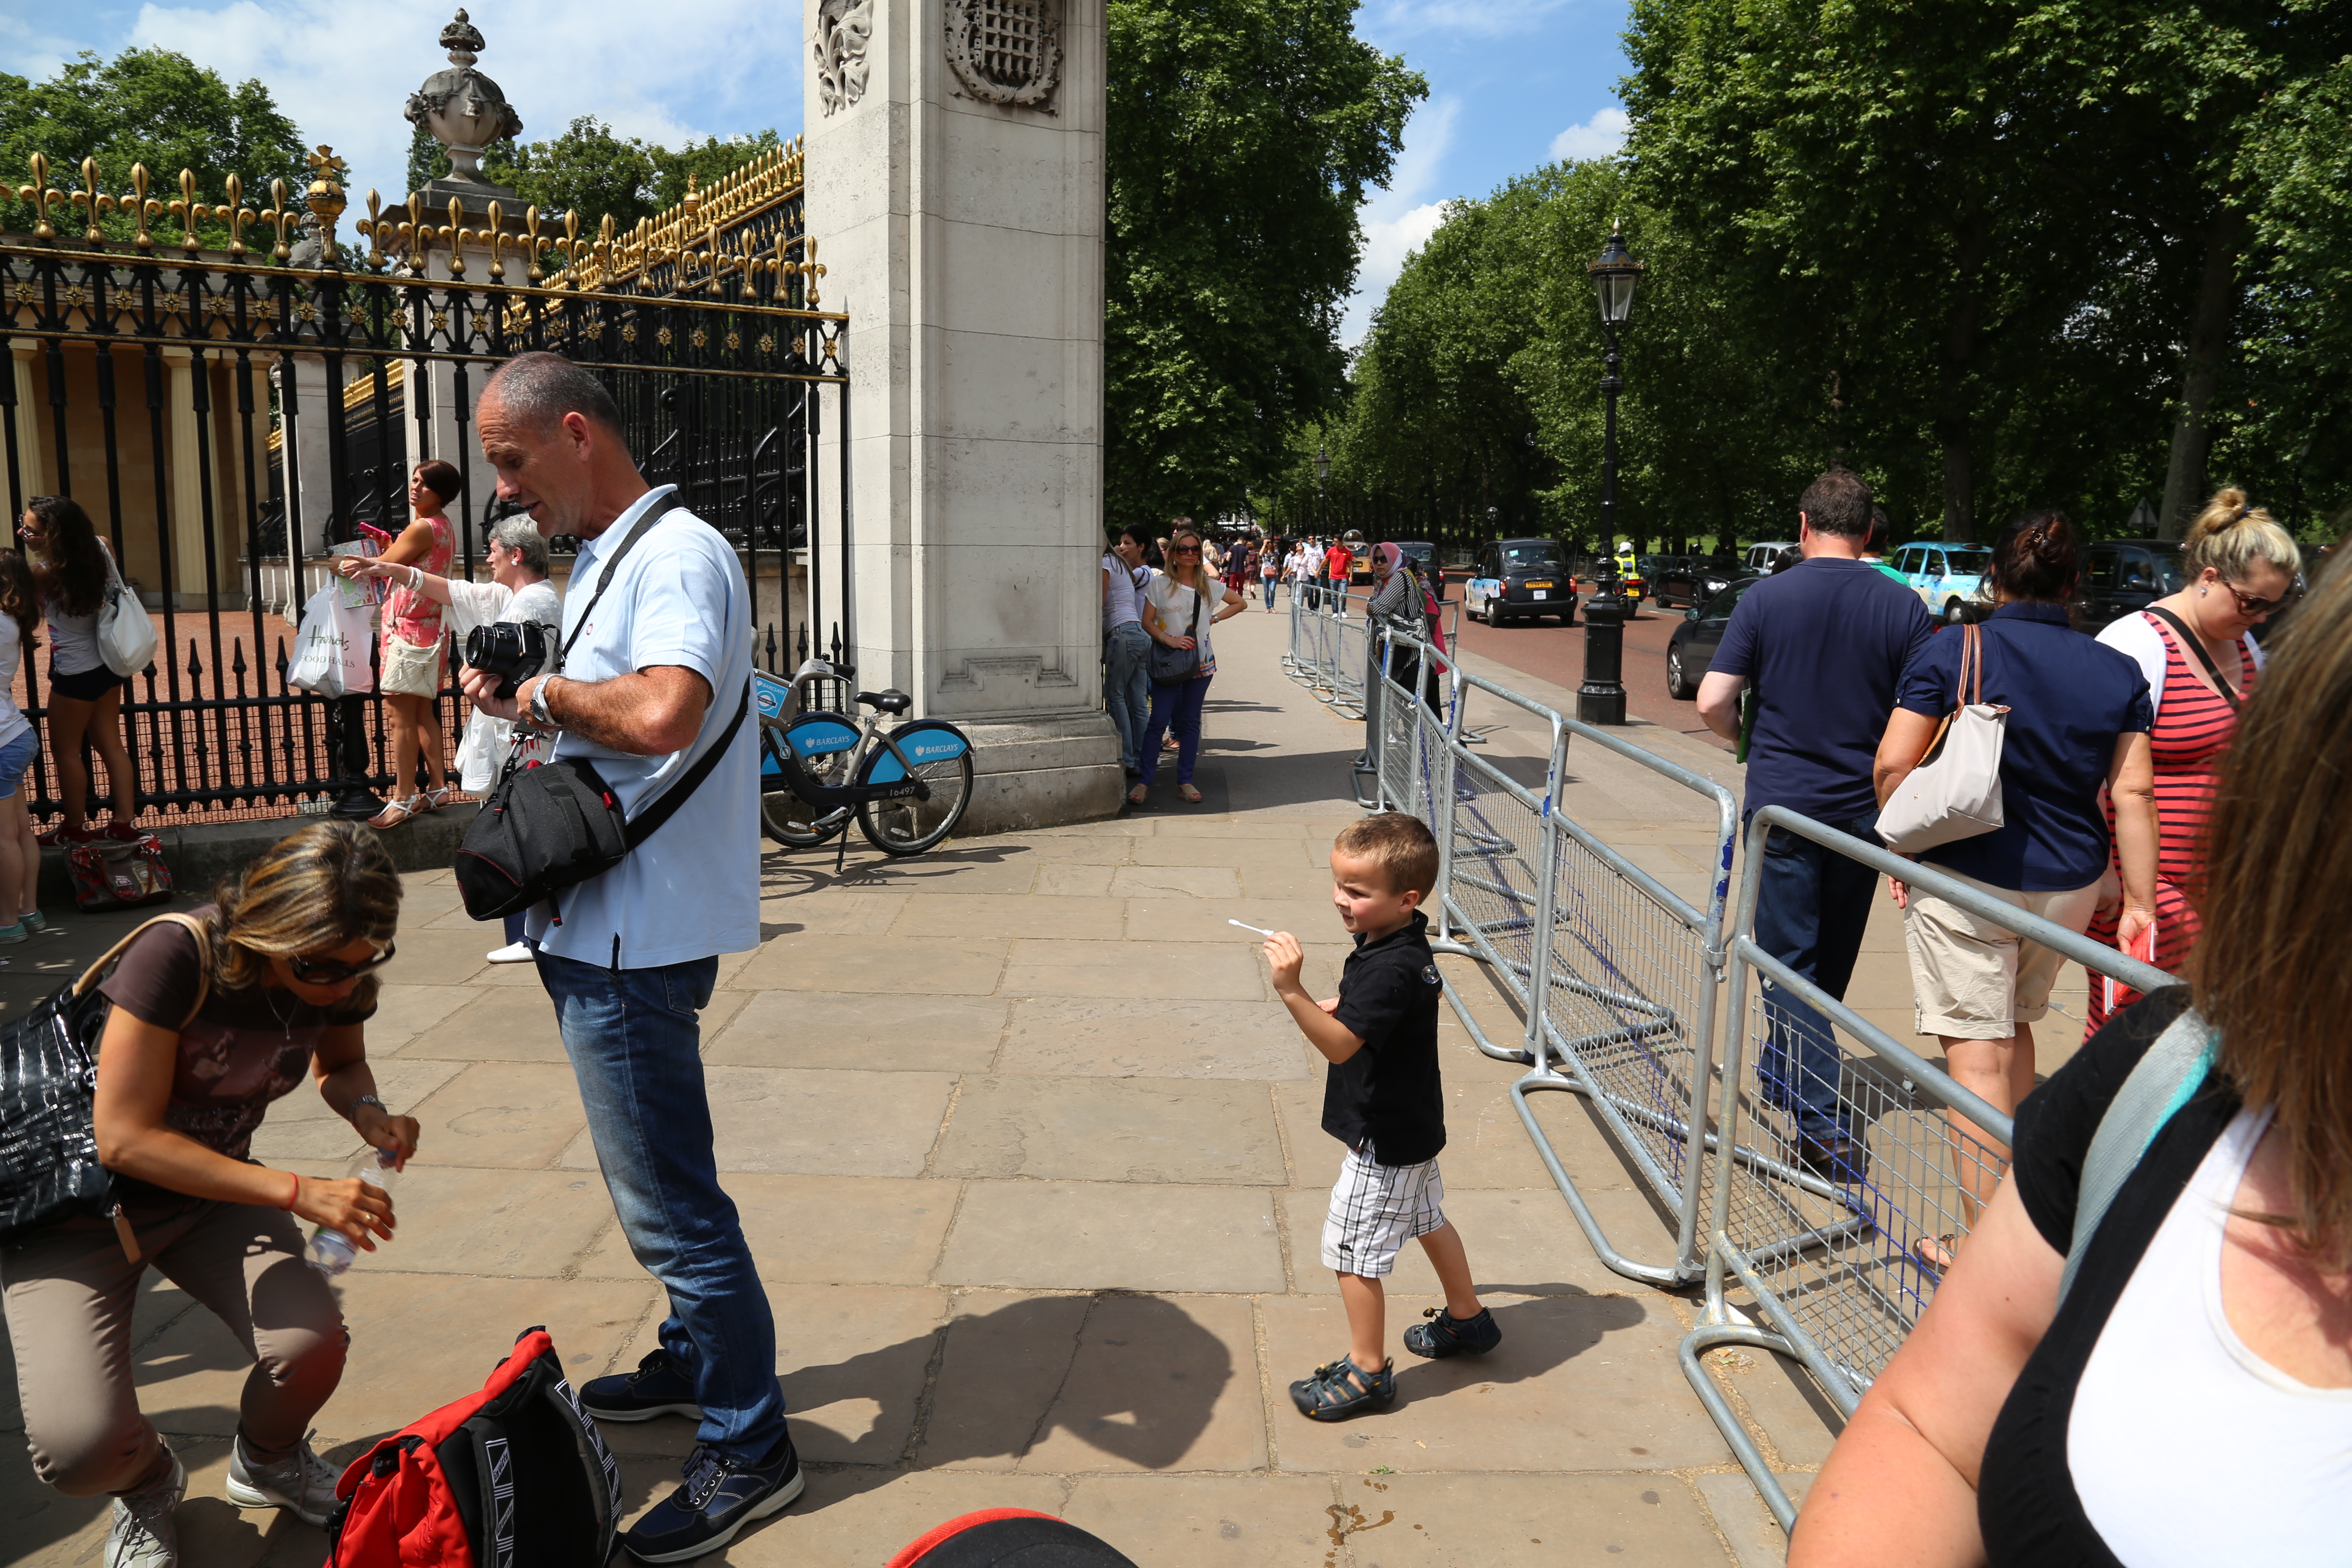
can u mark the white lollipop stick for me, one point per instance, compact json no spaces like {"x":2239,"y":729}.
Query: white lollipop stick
{"x":1246,"y":926}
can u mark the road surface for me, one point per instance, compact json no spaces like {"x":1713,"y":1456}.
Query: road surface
{"x":1555,"y":653}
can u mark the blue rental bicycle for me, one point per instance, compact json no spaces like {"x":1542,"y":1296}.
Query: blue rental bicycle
{"x":907,"y":787}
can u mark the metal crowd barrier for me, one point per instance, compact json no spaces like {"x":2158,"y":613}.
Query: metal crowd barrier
{"x":1829,"y":1257}
{"x":1616,"y":975}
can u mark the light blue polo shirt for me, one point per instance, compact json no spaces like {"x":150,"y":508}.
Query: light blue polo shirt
{"x":692,"y":890}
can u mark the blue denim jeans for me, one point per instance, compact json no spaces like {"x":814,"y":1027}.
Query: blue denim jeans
{"x":635,"y":1048}
{"x":1175,"y":706}
{"x":1810,"y":914}
{"x":1127,"y":686}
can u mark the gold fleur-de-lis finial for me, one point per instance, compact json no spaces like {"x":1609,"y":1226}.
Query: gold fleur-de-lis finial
{"x":38,"y":196}
{"x":92,"y":201}
{"x":236,"y":214}
{"x":142,"y":208}
{"x":281,"y":216}
{"x":189,"y":211}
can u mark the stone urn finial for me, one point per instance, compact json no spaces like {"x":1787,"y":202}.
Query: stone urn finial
{"x":461,"y":108}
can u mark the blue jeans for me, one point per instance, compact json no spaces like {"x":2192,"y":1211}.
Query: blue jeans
{"x":1126,"y":686}
{"x":635,"y":1048}
{"x":1176,"y":706}
{"x":1810,"y":914}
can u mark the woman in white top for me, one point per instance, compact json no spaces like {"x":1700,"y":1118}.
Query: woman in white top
{"x":20,"y":856}
{"x":2190,"y":1403}
{"x":518,"y":591}
{"x":74,"y":569}
{"x":1179,"y":607}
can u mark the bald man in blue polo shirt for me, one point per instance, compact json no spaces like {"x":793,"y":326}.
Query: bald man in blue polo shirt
{"x":1825,"y":643}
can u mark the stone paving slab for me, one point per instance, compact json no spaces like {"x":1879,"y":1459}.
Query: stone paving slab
{"x":1030,"y":1161}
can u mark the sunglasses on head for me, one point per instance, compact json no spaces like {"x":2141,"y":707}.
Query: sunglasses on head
{"x":2250,"y":605}
{"x":320,"y":972}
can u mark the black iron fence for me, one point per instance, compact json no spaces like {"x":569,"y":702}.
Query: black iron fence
{"x":169,"y":394}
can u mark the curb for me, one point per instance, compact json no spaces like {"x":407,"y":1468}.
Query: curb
{"x":202,"y":854}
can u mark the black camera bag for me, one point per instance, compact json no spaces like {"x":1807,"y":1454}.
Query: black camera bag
{"x":554,"y":825}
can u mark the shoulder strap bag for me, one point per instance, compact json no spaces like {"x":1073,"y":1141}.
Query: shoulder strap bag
{"x":2196,"y":645}
{"x":1955,"y":792}
{"x":550,"y":825}
{"x":48,"y":1076}
{"x":2163,"y":1081}
{"x":126,"y":637}
{"x":1175,"y":666}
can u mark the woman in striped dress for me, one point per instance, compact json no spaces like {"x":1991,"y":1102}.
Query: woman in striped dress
{"x":2239,"y":568}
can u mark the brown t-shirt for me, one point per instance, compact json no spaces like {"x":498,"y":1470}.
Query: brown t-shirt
{"x":244,"y":1049}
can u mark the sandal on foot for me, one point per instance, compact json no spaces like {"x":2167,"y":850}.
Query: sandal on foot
{"x":1935,"y":1253}
{"x":1444,"y":1334}
{"x":397,"y":812}
{"x":1343,"y":1389}
{"x":1189,"y":794}
{"x":1138,"y":794}
{"x":435,"y":799}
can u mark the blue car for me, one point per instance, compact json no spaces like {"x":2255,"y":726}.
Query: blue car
{"x":1948,"y":578}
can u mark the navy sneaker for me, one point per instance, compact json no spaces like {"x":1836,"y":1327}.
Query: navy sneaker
{"x":658,"y":1388}
{"x":1444,"y":1334}
{"x":720,"y":1496}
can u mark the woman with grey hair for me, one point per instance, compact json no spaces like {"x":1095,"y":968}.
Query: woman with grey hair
{"x":518,"y":591}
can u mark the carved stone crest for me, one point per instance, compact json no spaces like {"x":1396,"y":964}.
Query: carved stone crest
{"x":1006,"y":51}
{"x":842,"y":28}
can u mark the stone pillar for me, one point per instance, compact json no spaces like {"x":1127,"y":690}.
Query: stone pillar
{"x":955,"y":192}
{"x":188,"y":509}
{"x":33,"y":428}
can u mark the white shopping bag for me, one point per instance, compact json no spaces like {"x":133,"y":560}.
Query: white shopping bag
{"x":331,"y":647}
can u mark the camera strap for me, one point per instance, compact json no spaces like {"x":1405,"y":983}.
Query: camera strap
{"x":645,"y":519}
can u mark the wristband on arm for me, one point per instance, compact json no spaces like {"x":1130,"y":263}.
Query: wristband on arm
{"x":293,"y":1194}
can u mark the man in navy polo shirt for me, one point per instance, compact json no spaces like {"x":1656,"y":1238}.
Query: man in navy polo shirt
{"x":1825,"y":643}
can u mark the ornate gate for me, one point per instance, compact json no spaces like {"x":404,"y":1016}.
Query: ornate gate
{"x":226,"y":399}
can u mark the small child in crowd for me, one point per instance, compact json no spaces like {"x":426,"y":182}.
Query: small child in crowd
{"x":1384,"y":1100}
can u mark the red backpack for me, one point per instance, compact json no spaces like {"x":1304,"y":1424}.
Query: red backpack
{"x":513,"y":1476}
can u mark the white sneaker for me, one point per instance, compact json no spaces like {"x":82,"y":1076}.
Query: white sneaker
{"x":302,"y":1483}
{"x":513,"y":953}
{"x":143,"y":1534}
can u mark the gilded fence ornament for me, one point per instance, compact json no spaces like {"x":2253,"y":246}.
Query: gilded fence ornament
{"x":811,"y":270}
{"x":190,"y":212}
{"x":417,"y":233}
{"x":38,"y":196}
{"x":532,"y":243}
{"x":458,"y":236}
{"x":373,"y":227}
{"x":142,"y":208}
{"x":325,"y":200}
{"x":498,"y":238}
{"x":236,"y":214}
{"x":281,"y":217}
{"x":92,"y":202}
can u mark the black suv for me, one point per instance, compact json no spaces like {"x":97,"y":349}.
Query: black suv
{"x":2122,"y":576}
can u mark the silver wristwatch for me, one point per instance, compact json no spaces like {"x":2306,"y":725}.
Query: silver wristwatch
{"x":540,"y":717}
{"x":352,"y":1115}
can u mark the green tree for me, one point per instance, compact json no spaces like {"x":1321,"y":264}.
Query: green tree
{"x":1241,"y":138}
{"x":155,"y":108}
{"x":586,"y":170}
{"x":709,"y":161}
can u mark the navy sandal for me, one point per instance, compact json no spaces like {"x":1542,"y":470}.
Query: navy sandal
{"x":1444,"y":1334}
{"x":1343,"y":1389}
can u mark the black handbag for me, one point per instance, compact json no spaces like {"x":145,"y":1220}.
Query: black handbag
{"x":48,"y":1075}
{"x":1175,"y":666}
{"x":554,"y":825}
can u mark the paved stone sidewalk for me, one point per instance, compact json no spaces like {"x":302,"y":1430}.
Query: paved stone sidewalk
{"x":1029,"y":1158}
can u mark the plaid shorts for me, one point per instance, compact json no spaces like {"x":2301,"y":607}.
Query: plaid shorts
{"x":1375,"y":1208}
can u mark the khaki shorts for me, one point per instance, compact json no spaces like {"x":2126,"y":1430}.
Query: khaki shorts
{"x":1971,"y":980}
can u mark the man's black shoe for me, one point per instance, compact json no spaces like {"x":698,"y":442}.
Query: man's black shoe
{"x":720,"y":1496}
{"x":658,"y":1388}
{"x":1839,"y":1158}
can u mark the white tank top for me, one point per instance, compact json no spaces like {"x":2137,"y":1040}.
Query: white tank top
{"x":2187,"y":1448}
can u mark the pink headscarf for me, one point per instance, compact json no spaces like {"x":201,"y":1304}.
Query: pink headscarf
{"x":1386,"y":558}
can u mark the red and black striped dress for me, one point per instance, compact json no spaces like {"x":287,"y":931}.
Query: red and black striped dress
{"x":2193,"y":728}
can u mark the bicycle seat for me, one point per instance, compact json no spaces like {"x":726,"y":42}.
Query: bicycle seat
{"x":890,"y":700}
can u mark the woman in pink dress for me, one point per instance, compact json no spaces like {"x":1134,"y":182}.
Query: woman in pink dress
{"x":414,"y":663}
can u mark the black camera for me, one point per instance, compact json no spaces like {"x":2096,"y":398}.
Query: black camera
{"x":514,"y":651}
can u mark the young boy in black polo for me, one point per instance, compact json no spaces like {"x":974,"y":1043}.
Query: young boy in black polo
{"x":1383,"y":1098}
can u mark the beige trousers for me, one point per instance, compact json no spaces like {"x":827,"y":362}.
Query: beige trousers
{"x":70,"y":1292}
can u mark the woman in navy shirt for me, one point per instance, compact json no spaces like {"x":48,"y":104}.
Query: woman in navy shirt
{"x":2078,"y":720}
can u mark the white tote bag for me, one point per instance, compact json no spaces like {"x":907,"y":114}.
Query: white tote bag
{"x":126,"y":637}
{"x":330,"y":646}
{"x":1955,"y":792}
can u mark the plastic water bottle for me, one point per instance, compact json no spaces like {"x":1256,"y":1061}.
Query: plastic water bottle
{"x":331,"y":1252}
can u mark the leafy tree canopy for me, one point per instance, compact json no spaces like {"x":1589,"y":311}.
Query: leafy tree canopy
{"x":1243,"y":137}
{"x":593,"y":171}
{"x":151,"y":107}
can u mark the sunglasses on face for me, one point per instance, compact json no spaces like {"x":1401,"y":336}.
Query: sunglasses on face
{"x":2250,"y":605}
{"x":1190,"y":550}
{"x":322,"y":972}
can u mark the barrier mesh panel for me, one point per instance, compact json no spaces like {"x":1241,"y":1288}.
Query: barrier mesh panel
{"x":1495,"y":877}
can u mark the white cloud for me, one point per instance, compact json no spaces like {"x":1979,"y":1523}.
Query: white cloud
{"x":1599,"y":137}
{"x":343,"y":68}
{"x":1399,"y":220}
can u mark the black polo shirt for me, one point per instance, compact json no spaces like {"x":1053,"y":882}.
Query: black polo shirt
{"x":1390,"y":1092}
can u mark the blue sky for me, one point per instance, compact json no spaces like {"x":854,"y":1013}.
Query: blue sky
{"x":1512,"y":82}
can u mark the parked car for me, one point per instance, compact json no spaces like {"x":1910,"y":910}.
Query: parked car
{"x":1423,"y":556}
{"x":1690,"y":651}
{"x":2123,"y":575}
{"x":1760,"y":557}
{"x":1520,"y":579}
{"x":1948,"y":578}
{"x":1693,"y":580}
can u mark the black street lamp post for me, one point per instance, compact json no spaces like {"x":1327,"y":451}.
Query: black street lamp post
{"x":1600,"y":699}
{"x":1323,"y":509}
